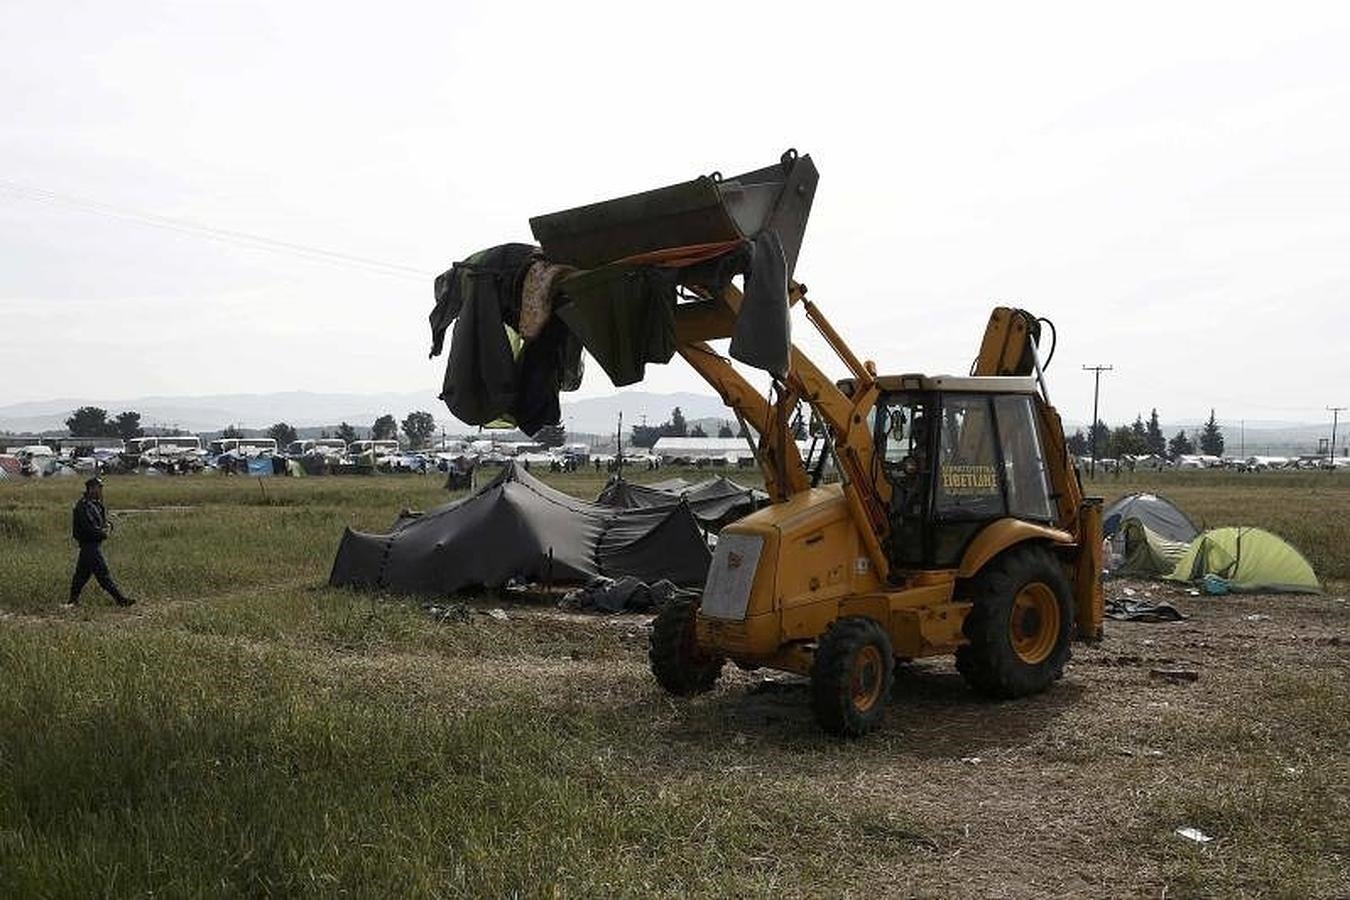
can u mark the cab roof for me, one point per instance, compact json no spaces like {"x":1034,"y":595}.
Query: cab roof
{"x":982,"y":384}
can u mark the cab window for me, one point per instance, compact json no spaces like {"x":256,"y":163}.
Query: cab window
{"x":1023,"y":460}
{"x":968,"y":465}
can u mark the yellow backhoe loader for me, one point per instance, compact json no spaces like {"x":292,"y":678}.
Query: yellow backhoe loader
{"x":954,"y":521}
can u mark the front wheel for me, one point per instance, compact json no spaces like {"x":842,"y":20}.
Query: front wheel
{"x":1019,"y":626}
{"x":851,"y":676}
{"x":677,"y":661}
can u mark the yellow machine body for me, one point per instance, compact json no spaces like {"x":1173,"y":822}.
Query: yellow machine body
{"x":781,"y":576}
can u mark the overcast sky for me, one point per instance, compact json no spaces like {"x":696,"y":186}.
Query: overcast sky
{"x":1169,"y":183}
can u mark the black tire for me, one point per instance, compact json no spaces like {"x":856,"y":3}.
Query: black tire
{"x":1017,"y":649}
{"x":680,"y":666}
{"x":851,"y":677}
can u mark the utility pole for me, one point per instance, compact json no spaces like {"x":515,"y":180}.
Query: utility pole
{"x":1096,"y":391}
{"x":1335,"y":415}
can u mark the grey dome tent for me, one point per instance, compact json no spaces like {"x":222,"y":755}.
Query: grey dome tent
{"x":1158,"y":514}
{"x":1148,"y":534}
{"x":518,"y":527}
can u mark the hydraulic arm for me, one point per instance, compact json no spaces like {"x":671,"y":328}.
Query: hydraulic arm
{"x":845,"y":415}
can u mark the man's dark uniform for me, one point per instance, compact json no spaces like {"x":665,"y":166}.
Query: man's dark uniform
{"x":90,"y":528}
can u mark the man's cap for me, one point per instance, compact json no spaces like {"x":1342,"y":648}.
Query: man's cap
{"x":92,"y":482}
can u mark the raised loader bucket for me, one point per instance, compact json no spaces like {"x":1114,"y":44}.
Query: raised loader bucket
{"x":710,"y":209}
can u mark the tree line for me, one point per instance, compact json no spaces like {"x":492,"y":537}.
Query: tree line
{"x":1141,"y":438}
{"x":93,"y":421}
{"x":418,"y":426}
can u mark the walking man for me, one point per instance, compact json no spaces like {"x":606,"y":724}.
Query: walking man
{"x":90,"y":528}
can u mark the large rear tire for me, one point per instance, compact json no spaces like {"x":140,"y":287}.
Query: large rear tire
{"x":851,"y":677}
{"x":1019,"y":627}
{"x":677,"y":661}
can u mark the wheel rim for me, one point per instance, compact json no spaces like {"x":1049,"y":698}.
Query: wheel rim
{"x":1035,"y":622}
{"x":867,"y":676}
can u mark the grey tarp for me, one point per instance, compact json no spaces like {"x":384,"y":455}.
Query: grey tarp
{"x":714,"y":502}
{"x":519,"y":527}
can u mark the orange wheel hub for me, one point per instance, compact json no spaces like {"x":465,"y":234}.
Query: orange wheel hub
{"x":868,"y":673}
{"x":1035,"y":623}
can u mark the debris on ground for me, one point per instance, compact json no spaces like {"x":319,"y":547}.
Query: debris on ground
{"x":450,"y":612}
{"x":626,"y":594}
{"x":1194,"y":834}
{"x":499,"y":614}
{"x":1142,"y":610}
{"x":1176,"y":676}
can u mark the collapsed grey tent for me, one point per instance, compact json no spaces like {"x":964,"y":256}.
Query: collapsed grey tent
{"x":519,"y":527}
{"x":1158,"y":514}
{"x":714,"y":502}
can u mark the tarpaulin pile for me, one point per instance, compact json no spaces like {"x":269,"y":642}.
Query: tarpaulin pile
{"x":715,"y":502}
{"x":519,"y":528}
{"x":608,"y":277}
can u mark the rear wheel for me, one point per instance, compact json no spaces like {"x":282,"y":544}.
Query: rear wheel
{"x":851,"y":676}
{"x":677,"y":661}
{"x":1019,"y":626}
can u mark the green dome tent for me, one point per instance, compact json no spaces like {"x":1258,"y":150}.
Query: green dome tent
{"x":1249,"y":559}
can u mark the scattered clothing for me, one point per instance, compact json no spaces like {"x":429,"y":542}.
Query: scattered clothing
{"x":550,"y":363}
{"x":536,"y":296}
{"x":763,"y":333}
{"x":1127,"y":610}
{"x":624,"y":316}
{"x":481,"y":296}
{"x":626,"y":594}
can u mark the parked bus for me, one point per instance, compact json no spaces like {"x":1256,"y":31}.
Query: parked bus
{"x":322,"y":446}
{"x":380,"y":448}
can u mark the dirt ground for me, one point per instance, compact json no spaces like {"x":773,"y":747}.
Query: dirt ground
{"x":1078,"y":792}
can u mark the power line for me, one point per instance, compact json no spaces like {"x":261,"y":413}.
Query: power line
{"x":1096,"y":391}
{"x":224,"y":235}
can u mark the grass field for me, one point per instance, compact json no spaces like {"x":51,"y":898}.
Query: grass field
{"x":247,"y":730}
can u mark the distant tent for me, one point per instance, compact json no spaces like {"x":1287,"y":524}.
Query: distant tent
{"x":1249,"y":559}
{"x":1157,"y":514}
{"x":714,"y":502}
{"x":518,"y":527}
{"x":1147,"y":554}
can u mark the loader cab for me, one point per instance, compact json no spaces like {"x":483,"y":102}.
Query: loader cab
{"x":958,"y":453}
